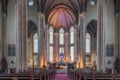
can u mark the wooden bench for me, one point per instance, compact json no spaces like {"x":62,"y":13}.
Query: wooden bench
{"x":44,"y":75}
{"x":80,"y":75}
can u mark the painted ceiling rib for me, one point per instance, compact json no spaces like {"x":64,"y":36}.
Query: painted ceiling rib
{"x":67,"y":25}
{"x":49,"y":6}
{"x":73,"y":5}
{"x":52,"y":15}
{"x":71,"y":15}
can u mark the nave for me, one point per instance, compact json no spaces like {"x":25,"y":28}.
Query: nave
{"x":59,"y":39}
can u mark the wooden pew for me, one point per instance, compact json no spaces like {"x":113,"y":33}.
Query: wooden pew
{"x":80,"y":75}
{"x":44,"y":75}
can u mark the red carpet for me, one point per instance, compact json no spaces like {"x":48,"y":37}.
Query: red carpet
{"x":61,"y":77}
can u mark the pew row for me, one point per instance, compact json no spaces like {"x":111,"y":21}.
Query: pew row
{"x":79,"y":75}
{"x":43,"y":75}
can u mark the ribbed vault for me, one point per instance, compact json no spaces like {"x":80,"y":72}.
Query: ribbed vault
{"x":61,"y":16}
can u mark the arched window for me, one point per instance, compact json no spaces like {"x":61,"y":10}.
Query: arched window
{"x":35,"y":43}
{"x":61,"y":41}
{"x":61,"y":37}
{"x":88,"y":43}
{"x":61,"y":50}
{"x":72,"y":44}
{"x":51,"y":35}
{"x":51,"y":44}
{"x":35,"y":49}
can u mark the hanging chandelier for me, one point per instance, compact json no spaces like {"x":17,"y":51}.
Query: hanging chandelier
{"x":30,"y":2}
{"x":92,"y":2}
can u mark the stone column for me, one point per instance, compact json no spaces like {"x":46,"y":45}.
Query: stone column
{"x":68,"y":49}
{"x":82,"y":41}
{"x":66,"y":54}
{"x":24,"y":35}
{"x":57,"y":46}
{"x":21,"y":52}
{"x":119,"y":32}
{"x":101,"y":8}
{"x":4,"y":36}
{"x":47,"y":43}
{"x":78,"y":45}
{"x":41,"y":41}
{"x":117,"y":36}
{"x":75,"y":45}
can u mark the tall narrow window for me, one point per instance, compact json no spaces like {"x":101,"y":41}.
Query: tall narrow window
{"x":88,"y":43}
{"x":35,"y":43}
{"x":35,"y":49}
{"x":61,"y":38}
{"x":61,"y":50}
{"x":51,"y":35}
{"x":51,"y":53}
{"x":72,"y":44}
{"x":51,"y":44}
{"x":72,"y":35}
{"x":61,"y":43}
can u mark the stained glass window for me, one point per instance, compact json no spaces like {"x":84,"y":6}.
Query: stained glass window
{"x":35,"y":43}
{"x":72,"y":44}
{"x":61,"y":50}
{"x":88,"y":43}
{"x":61,"y":40}
{"x":51,"y":35}
{"x":61,"y":37}
{"x":51,"y":53}
{"x":51,"y":44}
{"x":72,"y":53}
{"x":72,"y":35}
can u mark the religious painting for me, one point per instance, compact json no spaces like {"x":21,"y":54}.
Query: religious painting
{"x":11,"y":50}
{"x":110,"y":50}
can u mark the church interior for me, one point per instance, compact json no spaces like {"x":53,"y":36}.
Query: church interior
{"x":59,"y":39}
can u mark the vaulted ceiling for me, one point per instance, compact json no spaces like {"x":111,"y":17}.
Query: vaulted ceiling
{"x":61,"y":13}
{"x":61,"y":16}
{"x":69,"y":10}
{"x":47,"y":5}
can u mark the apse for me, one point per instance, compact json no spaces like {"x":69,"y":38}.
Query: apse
{"x":61,"y":17}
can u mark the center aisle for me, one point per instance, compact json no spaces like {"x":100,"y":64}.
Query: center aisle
{"x":61,"y":77}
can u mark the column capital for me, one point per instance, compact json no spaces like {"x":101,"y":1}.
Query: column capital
{"x":41,"y":15}
{"x":81,"y":15}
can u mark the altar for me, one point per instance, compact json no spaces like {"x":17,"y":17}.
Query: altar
{"x":61,"y":67}
{"x":61,"y":71}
